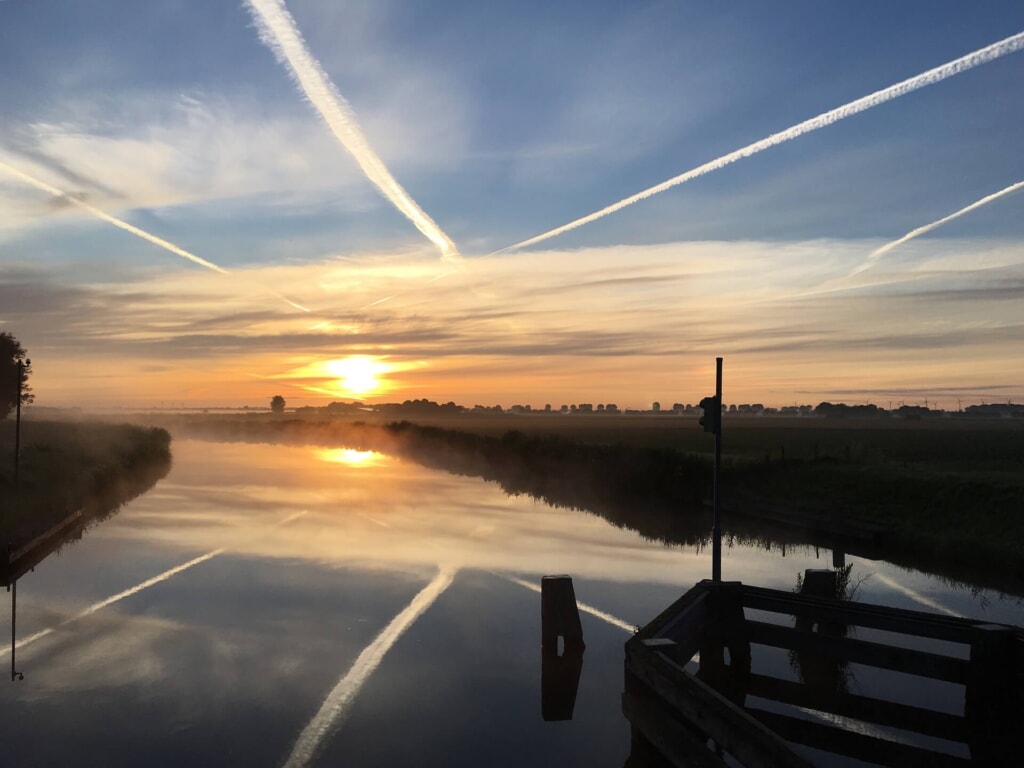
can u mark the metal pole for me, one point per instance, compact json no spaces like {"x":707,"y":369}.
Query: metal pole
{"x":17,"y":424}
{"x":716,"y":532}
{"x":14,"y":614}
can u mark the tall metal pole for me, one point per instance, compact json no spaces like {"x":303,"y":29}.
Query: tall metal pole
{"x":716,"y":532}
{"x":14,"y":615}
{"x":17,"y":426}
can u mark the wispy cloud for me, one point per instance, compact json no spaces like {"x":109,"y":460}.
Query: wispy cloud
{"x":278,"y":31}
{"x":932,"y":76}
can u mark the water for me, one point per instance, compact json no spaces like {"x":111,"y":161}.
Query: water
{"x":335,"y":607}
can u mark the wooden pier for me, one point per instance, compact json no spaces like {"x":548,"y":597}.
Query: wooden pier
{"x":763,"y":676}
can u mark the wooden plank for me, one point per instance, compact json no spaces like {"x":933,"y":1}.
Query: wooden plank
{"x":657,"y":624}
{"x":907,"y":622}
{"x":920,"y":663}
{"x":687,"y":621}
{"x":670,"y":737}
{"x":830,"y":738}
{"x":928,"y":722}
{"x":736,"y":732}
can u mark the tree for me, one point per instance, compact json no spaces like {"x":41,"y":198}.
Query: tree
{"x":277,"y":404}
{"x":12,"y":353}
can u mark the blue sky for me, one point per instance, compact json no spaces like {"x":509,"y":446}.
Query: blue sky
{"x":503,"y":120}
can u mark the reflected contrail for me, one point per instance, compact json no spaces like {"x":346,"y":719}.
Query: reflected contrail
{"x":115,"y":598}
{"x":879,"y":252}
{"x":101,"y":214}
{"x":136,"y":589}
{"x":916,"y":596}
{"x":339,"y":699}
{"x":615,"y":621}
{"x":981,"y":56}
{"x":278,"y":31}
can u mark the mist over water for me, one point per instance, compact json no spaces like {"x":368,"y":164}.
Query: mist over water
{"x":310,"y":567}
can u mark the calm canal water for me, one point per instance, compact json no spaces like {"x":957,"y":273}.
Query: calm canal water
{"x":271,"y":605}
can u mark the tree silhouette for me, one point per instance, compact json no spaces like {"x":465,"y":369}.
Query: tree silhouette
{"x":11,"y":353}
{"x":277,"y":404}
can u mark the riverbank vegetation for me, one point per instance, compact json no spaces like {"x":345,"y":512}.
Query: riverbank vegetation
{"x":945,"y":496}
{"x":69,"y":466}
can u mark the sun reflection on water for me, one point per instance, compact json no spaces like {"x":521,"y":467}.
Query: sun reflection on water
{"x":351,"y":457}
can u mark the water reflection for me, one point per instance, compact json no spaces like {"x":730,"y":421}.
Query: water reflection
{"x":250,"y":583}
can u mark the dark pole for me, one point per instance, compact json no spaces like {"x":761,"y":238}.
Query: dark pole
{"x":716,"y":532}
{"x":17,"y":425}
{"x":14,"y":614}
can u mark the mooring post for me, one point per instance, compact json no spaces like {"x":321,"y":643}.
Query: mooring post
{"x":559,"y":616}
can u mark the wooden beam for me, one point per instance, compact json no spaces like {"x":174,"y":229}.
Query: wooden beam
{"x":838,"y":741}
{"x":670,"y":737}
{"x":916,"y":623}
{"x":912,"y":662}
{"x":928,"y":722}
{"x":734,"y":730}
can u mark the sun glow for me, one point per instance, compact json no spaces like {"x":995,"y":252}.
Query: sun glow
{"x":356,"y":375}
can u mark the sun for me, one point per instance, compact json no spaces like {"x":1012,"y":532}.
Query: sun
{"x":356,"y":375}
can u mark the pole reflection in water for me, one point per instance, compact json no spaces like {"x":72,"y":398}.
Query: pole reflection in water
{"x":13,"y":589}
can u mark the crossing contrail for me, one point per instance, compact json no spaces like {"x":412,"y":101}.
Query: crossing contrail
{"x":100,"y":605}
{"x":278,"y":31}
{"x":608,"y":618}
{"x":970,"y":61}
{"x":916,"y":596}
{"x":101,"y":214}
{"x":340,"y":698}
{"x":115,"y":598}
{"x":878,"y":253}
{"x":42,"y":185}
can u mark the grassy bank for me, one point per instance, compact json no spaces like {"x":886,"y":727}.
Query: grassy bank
{"x":66,"y":466}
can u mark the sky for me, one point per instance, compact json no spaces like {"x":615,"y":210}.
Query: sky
{"x":210,"y":203}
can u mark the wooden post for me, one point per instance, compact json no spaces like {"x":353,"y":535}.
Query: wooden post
{"x":993,"y":703}
{"x":819,"y":582}
{"x":559,"y":616}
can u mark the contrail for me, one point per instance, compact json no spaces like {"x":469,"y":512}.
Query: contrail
{"x":136,"y":589}
{"x":115,"y":598}
{"x":615,"y":621}
{"x":878,"y":253}
{"x":970,"y":61}
{"x":278,"y":31}
{"x":341,"y":697}
{"x":100,"y":214}
{"x":917,"y":596}
{"x":42,"y":185}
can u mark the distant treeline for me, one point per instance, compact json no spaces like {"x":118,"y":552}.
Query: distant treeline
{"x":424,"y":407}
